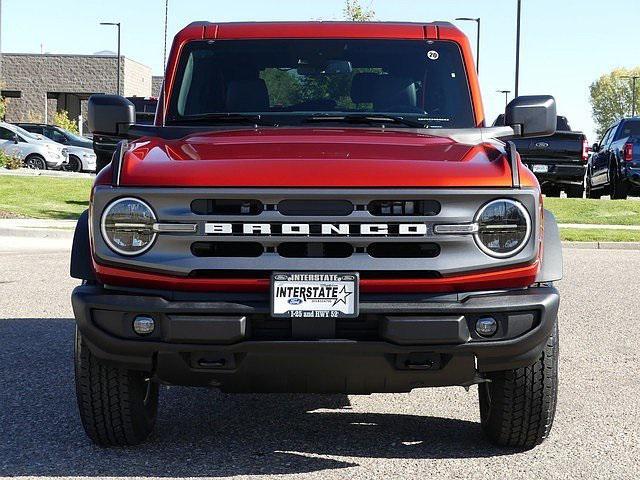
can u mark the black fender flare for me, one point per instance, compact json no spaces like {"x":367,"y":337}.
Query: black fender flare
{"x":551,"y":269}
{"x":81,"y":265}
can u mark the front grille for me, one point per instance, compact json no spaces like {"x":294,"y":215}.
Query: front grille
{"x":227,"y":249}
{"x":249,"y":233}
{"x":336,"y":208}
{"x":404,"y":207}
{"x":362,"y":328}
{"x":315,"y":250}
{"x":204,"y":206}
{"x":403,"y":250}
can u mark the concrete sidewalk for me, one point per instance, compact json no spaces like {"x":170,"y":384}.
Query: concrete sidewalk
{"x":30,"y":172}
{"x":36,"y":228}
{"x":585,"y":226}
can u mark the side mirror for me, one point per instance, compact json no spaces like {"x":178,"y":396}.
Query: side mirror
{"x":110,"y":115}
{"x":532,"y":116}
{"x":16,"y":139}
{"x":595,"y":147}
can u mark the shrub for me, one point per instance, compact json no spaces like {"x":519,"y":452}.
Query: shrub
{"x":62,"y":120}
{"x":10,"y":162}
{"x":3,"y":108}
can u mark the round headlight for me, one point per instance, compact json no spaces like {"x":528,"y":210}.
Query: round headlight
{"x":504,"y":227}
{"x":127,"y":226}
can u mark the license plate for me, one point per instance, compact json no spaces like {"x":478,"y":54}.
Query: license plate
{"x":314,"y":295}
{"x":540,"y":168}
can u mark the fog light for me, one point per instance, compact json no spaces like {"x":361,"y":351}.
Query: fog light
{"x":486,"y":327}
{"x":143,"y":325}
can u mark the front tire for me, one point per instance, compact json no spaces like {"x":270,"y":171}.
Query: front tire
{"x":619,"y":189}
{"x":517,"y":406}
{"x":551,"y":190}
{"x":575,"y":191}
{"x":117,"y":406}
{"x":74,"y":165}
{"x":35,"y":162}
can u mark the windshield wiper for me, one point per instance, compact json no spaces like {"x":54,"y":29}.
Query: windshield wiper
{"x":366,"y":118}
{"x":225,"y":118}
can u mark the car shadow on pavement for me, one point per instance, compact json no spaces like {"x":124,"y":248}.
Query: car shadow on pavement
{"x":200,"y":432}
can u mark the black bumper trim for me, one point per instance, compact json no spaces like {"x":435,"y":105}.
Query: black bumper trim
{"x":241,"y":361}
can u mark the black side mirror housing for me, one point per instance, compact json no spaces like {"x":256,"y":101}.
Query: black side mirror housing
{"x":595,"y":147}
{"x":16,"y":139}
{"x":532,"y":116}
{"x":110,"y":115}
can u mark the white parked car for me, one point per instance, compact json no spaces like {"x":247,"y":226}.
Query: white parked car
{"x":36,"y":152}
{"x":80,"y":160}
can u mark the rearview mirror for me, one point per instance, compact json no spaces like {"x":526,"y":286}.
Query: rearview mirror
{"x":110,"y":115}
{"x":532,"y":116}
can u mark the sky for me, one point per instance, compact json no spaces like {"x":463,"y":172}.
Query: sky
{"x":566,"y":44}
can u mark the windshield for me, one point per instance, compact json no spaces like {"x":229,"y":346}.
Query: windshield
{"x":76,"y":138}
{"x":291,"y":80}
{"x":25,"y":133}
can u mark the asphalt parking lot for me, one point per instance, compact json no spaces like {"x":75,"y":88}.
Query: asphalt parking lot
{"x":424,"y":434}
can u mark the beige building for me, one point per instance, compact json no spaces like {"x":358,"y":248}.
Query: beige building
{"x":35,"y":86}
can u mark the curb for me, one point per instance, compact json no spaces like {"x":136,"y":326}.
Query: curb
{"x":602,"y":245}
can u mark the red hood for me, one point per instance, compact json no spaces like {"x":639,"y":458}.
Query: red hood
{"x":304,"y":157}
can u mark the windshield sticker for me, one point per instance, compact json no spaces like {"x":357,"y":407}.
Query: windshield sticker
{"x":433,"y":55}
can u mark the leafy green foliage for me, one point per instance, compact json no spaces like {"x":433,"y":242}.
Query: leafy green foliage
{"x":62,"y":120}
{"x":3,"y":108}
{"x":10,"y":162}
{"x":357,"y":13}
{"x":611,"y":97}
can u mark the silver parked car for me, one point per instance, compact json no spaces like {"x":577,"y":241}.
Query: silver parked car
{"x":80,"y":160}
{"x":36,"y":152}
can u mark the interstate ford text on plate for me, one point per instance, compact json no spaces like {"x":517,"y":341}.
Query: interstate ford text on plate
{"x":314,"y":295}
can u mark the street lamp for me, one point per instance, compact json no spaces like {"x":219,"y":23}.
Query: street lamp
{"x":518,"y":46}
{"x":477,"y":20}
{"x":116,"y":24}
{"x":633,"y":79}
{"x":506,"y":96}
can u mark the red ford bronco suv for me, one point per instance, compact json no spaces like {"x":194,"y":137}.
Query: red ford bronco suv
{"x":318,"y":207}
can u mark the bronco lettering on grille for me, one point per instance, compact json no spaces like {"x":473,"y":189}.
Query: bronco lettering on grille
{"x":318,"y":229}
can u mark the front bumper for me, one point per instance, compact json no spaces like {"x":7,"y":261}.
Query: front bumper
{"x":399,"y":342}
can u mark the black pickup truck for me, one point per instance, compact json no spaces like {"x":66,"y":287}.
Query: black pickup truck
{"x":614,"y":167}
{"x":104,"y":146}
{"x":559,"y":161}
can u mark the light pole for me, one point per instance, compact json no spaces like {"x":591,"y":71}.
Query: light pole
{"x":166,"y":17}
{"x":477,"y":20}
{"x":116,"y":24}
{"x":633,"y":79}
{"x":518,"y":47}
{"x":506,"y":96}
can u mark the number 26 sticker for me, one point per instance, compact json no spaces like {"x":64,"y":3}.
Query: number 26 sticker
{"x":433,"y":55}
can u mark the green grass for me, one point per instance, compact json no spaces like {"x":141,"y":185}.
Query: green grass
{"x":44,"y":197}
{"x":599,"y":235}
{"x":598,"y":212}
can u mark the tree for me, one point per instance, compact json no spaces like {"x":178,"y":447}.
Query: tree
{"x":357,"y":13}
{"x":61,"y":119}
{"x":611,"y":97}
